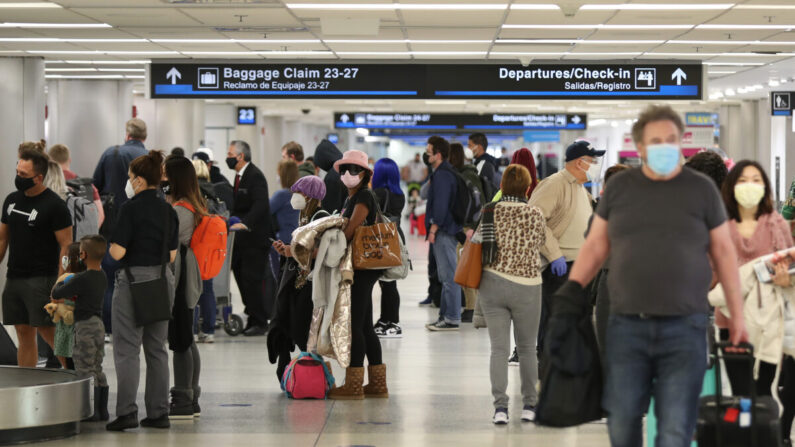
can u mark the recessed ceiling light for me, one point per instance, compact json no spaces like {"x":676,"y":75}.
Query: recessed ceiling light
{"x":579,"y":41}
{"x":102,"y":52}
{"x":84,"y":76}
{"x":597,"y":26}
{"x":66,"y":70}
{"x":419,"y":6}
{"x":30,"y":5}
{"x":730,"y":92}
{"x":53,"y":25}
{"x":656,"y":7}
{"x":411,"y":53}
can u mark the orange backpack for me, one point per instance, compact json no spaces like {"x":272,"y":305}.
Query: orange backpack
{"x":208,"y":243}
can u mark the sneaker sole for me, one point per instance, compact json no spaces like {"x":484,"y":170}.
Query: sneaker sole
{"x":513,"y":363}
{"x":436,"y":329}
{"x":500,"y":422}
{"x":180,"y":417}
{"x":390,"y":336}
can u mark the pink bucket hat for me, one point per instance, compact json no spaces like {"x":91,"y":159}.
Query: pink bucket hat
{"x":353,"y":157}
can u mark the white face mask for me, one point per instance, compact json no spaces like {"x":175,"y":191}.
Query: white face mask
{"x":129,"y":190}
{"x":297,"y":201}
{"x":749,"y":195}
{"x":594,"y":171}
{"x":65,"y":262}
{"x":468,"y":154}
{"x":350,"y":180}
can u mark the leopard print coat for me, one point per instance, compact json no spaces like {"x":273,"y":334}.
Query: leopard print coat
{"x":520,"y":234}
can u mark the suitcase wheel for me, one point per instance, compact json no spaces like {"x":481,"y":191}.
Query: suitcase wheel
{"x":234,"y":326}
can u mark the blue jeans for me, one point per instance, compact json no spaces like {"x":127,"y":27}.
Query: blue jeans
{"x":444,"y":253}
{"x":206,"y":307}
{"x":661,"y":357}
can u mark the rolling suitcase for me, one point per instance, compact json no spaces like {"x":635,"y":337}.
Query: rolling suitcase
{"x":8,"y":350}
{"x":719,"y":416}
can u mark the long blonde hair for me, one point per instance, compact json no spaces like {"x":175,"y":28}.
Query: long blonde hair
{"x":55,"y":179}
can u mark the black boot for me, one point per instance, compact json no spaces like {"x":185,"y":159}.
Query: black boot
{"x":100,"y":405}
{"x":158,"y":422}
{"x":181,"y":404}
{"x":124,"y":422}
{"x":197,"y":410}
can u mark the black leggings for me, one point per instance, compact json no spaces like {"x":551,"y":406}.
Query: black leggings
{"x":390,"y":302}
{"x":363,"y":338}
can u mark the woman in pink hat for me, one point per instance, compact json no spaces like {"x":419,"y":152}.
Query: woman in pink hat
{"x":361,"y":209}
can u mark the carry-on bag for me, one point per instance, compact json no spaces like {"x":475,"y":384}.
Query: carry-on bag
{"x":377,"y":246}
{"x":470,"y":267}
{"x":307,"y":377}
{"x":737,"y":421}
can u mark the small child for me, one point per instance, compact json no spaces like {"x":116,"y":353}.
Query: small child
{"x":64,"y":329}
{"x":88,"y":290}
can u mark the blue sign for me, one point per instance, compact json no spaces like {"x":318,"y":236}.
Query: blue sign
{"x":541,"y":136}
{"x":333,"y":138}
{"x":699,"y":119}
{"x":246,"y":115}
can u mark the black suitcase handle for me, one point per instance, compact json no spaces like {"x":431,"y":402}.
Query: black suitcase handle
{"x":747,"y":353}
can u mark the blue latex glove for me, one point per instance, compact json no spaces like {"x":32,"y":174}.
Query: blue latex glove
{"x":233,"y":220}
{"x":559,"y":267}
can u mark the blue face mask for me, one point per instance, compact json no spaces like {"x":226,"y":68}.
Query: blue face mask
{"x":663,"y":158}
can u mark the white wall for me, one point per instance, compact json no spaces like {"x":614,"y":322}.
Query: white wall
{"x":172,"y":122}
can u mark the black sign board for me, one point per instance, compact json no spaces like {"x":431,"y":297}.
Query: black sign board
{"x":246,"y":115}
{"x":781,"y":103}
{"x":574,"y":80}
{"x":473,"y":122}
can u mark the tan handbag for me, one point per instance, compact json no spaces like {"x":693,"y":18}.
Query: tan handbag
{"x":470,"y":266}
{"x":376,"y":247}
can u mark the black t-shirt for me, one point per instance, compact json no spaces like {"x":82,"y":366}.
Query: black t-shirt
{"x":365,"y":197}
{"x":32,"y":222}
{"x":140,"y":228}
{"x":87,"y":289}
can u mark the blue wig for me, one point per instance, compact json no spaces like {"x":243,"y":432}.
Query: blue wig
{"x":387,"y":175}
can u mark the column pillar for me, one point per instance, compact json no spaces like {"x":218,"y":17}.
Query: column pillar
{"x":88,"y":116}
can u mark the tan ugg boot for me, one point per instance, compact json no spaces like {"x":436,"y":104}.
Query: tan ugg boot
{"x":352,"y":389}
{"x":377,"y":382}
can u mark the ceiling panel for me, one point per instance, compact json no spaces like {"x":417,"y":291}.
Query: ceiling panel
{"x":314,"y":14}
{"x":116,"y":3}
{"x":391,"y":33}
{"x":251,"y":35}
{"x":757,"y":17}
{"x":45,"y":15}
{"x":471,"y":33}
{"x":662,"y":17}
{"x":711,"y":34}
{"x":453,"y":18}
{"x":544,"y":33}
{"x":148,"y":17}
{"x":639,"y":34}
{"x":192,"y":32}
{"x":695,"y":48}
{"x":382,"y":57}
{"x":531,"y":48}
{"x":252,"y":16}
{"x":271,"y":46}
{"x":202,"y":47}
{"x":450,"y":47}
{"x":368,"y":47}
{"x":518,"y":17}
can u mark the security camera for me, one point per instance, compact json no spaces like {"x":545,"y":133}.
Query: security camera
{"x":306,"y":111}
{"x":525,"y":60}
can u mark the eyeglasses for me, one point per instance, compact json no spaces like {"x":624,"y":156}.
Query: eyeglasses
{"x":353,"y":169}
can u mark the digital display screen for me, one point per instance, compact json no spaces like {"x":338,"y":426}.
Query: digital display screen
{"x":246,"y":115}
{"x":471,"y":122}
{"x":572,"y":80}
{"x":333,"y":138}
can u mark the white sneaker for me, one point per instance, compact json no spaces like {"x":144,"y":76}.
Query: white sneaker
{"x":528,"y":414}
{"x":500,"y":416}
{"x":209,"y":338}
{"x":107,"y":338}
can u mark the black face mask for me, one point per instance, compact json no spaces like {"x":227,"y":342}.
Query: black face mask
{"x":426,"y":159}
{"x":165,"y":187}
{"x":231,"y":162}
{"x":23,"y":183}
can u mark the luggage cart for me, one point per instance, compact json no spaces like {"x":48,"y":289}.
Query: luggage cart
{"x":232,"y":323}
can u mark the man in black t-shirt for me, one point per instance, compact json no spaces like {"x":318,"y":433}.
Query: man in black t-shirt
{"x":36,"y":230}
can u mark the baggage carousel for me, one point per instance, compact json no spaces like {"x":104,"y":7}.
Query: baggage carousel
{"x":39,"y":404}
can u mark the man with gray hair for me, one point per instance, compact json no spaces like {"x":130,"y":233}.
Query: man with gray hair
{"x":110,"y":178}
{"x":251,"y":219}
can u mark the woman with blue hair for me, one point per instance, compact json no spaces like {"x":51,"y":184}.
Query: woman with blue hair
{"x":386,"y":186}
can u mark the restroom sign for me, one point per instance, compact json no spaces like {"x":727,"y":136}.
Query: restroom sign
{"x":781,"y":103}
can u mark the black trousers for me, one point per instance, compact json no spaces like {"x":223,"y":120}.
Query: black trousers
{"x":390,"y":302}
{"x":251,"y":269}
{"x":434,"y":286}
{"x":363,"y":338}
{"x":550,"y":285}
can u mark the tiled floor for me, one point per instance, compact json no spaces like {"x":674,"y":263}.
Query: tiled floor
{"x":439,"y":386}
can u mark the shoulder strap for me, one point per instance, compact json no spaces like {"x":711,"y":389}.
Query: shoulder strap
{"x":380,"y":217}
{"x":185,"y":205}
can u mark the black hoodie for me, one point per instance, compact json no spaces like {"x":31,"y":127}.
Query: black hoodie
{"x":326,"y":154}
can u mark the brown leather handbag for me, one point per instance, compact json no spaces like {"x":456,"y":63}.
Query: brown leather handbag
{"x":377,"y":246}
{"x":470,"y":266}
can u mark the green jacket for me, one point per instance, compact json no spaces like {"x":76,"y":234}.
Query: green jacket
{"x":305,"y":169}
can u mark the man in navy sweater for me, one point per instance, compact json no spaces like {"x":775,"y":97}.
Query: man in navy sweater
{"x":441,"y":232}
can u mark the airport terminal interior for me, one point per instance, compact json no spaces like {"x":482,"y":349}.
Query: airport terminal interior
{"x":380,"y":77}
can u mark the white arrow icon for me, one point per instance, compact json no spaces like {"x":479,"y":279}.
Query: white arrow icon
{"x":679,"y":75}
{"x":576,"y":119}
{"x":173,"y":74}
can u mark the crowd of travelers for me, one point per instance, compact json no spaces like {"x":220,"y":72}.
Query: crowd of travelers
{"x":122,"y":257}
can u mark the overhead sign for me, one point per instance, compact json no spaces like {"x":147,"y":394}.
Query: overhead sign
{"x":436,"y":121}
{"x":781,"y":103}
{"x":246,"y":115}
{"x":573,"y":80}
{"x":541,"y":136}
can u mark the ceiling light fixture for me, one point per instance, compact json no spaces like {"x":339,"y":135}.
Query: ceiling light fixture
{"x":411,"y":53}
{"x":657,"y":7}
{"x":30,"y":5}
{"x":66,"y":70}
{"x":419,"y":6}
{"x":67,"y":40}
{"x":53,"y":25}
{"x":102,"y":52}
{"x":730,"y":92}
{"x":598,"y":26}
{"x":773,"y":83}
{"x":579,"y":41}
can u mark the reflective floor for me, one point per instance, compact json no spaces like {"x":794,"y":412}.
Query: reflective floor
{"x":438,"y":382}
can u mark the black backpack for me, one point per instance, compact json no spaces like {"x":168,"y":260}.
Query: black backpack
{"x":82,"y":187}
{"x":467,"y":203}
